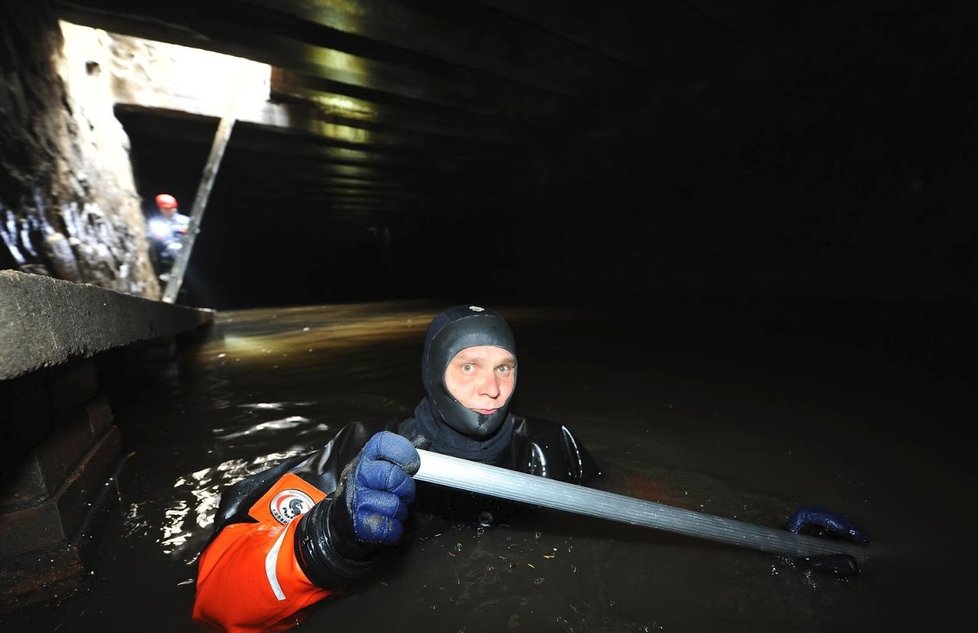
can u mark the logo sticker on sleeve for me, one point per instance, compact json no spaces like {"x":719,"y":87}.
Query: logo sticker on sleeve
{"x":289,"y":504}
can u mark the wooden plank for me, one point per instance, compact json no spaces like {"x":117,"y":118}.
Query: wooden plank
{"x":356,"y":146}
{"x":472,"y":35}
{"x":270,"y":37}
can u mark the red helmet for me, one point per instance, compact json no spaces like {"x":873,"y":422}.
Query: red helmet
{"x":166,"y":201}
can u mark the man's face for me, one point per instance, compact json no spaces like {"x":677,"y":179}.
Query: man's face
{"x":482,"y":378}
{"x":167,"y":211}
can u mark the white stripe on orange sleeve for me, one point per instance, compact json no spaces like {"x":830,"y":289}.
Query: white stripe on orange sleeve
{"x":271,"y":559}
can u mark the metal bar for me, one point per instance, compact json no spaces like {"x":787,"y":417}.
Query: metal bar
{"x":516,"y":486}
{"x":221,"y":138}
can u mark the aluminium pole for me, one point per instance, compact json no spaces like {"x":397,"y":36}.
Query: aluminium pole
{"x":221,"y":138}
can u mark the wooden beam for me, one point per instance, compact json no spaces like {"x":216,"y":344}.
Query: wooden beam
{"x":287,"y":42}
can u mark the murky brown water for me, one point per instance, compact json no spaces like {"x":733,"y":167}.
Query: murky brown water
{"x":741,"y":427}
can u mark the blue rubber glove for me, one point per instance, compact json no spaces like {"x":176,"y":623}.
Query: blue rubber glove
{"x":336,"y":538}
{"x":818,"y":521}
{"x":379,"y":488}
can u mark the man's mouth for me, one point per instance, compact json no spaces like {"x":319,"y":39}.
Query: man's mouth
{"x":485,"y":411}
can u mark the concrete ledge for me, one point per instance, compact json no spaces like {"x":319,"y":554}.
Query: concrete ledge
{"x":46,"y":321}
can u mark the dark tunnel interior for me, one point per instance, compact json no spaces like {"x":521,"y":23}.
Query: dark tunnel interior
{"x":812,"y":161}
{"x":736,"y":238}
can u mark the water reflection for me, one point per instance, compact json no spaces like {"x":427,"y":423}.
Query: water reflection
{"x":192,"y":513}
{"x":291,"y":422}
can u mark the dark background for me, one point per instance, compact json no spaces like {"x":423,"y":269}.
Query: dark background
{"x":805,"y":168}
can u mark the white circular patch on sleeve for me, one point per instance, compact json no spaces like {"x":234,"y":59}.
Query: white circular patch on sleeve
{"x":289,"y":504}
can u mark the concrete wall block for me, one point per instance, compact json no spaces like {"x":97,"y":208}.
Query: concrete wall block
{"x":25,"y":412}
{"x":92,"y":476}
{"x":99,"y":414}
{"x":58,"y":518}
{"x":47,"y":574}
{"x":65,"y":448}
{"x":26,"y":417}
{"x":45,"y":468}
{"x":40,"y":577}
{"x":31,"y":529}
{"x":23,"y":484}
{"x":32,"y":471}
{"x":75,"y":384}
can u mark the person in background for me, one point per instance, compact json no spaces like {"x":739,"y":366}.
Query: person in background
{"x":286,"y":538}
{"x":167,"y":229}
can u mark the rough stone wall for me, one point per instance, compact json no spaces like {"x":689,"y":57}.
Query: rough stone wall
{"x":68,"y":203}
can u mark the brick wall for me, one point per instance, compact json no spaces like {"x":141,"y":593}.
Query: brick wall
{"x":61,"y":458}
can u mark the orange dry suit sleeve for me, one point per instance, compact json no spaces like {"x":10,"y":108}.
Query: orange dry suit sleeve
{"x":276,"y":550}
{"x":249,"y":578}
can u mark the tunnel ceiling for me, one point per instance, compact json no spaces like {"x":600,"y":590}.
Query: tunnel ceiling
{"x":450,"y":93}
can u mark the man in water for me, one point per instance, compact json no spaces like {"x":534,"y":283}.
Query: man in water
{"x":288,"y":537}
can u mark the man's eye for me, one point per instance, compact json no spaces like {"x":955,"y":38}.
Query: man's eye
{"x":467,"y":367}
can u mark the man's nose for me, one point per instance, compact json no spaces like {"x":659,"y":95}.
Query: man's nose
{"x":489,"y":386}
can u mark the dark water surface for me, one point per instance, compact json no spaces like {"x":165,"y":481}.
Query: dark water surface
{"x":739,"y":426}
